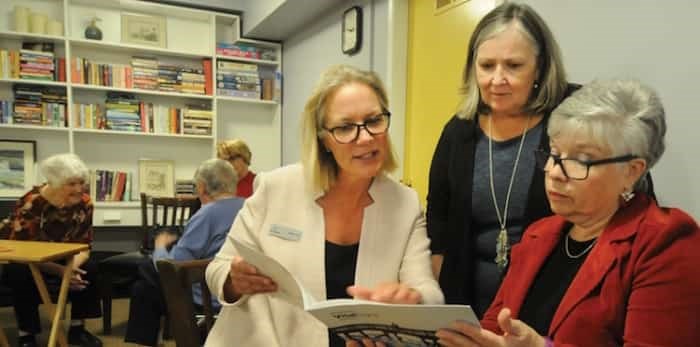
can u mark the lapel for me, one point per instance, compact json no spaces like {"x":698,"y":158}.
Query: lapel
{"x":370,"y":239}
{"x":603,"y":256}
{"x":528,"y":256}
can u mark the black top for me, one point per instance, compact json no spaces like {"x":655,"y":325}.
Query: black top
{"x":449,"y":203}
{"x":341,"y":261}
{"x":552,"y":282}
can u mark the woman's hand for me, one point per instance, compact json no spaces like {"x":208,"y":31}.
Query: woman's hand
{"x":391,"y":293}
{"x":76,"y":280}
{"x":516,"y":334}
{"x":245,"y":279}
{"x":365,"y":343}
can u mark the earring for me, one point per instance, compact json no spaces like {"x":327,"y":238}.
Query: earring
{"x":536,"y":85}
{"x":627,"y":196}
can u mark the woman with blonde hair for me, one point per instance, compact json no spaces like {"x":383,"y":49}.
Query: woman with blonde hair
{"x":336,"y":221}
{"x":238,"y":154}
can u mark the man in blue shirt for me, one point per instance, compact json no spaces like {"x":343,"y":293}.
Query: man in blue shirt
{"x":204,"y":234}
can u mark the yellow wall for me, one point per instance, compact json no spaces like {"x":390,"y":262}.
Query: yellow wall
{"x":437,"y":46}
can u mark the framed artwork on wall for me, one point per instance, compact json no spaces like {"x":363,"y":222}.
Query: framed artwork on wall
{"x":143,"y":29}
{"x":157,"y":177}
{"x":17,"y":160}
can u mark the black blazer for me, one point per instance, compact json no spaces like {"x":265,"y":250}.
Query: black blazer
{"x":449,"y":204}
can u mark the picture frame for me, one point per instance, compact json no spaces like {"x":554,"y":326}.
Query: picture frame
{"x":142,"y":29}
{"x":17,"y":159}
{"x":157,"y":177}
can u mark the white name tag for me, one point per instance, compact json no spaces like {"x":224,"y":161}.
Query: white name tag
{"x":285,"y":233}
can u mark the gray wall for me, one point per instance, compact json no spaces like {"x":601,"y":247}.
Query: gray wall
{"x":654,"y":41}
{"x":310,"y":51}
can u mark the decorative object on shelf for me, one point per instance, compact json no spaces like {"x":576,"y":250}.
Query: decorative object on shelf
{"x":16,"y":167}
{"x":37,"y":23}
{"x":351,"y":36}
{"x":54,"y":27}
{"x":157,"y":177}
{"x":21,"y":18}
{"x":92,"y":32}
{"x":143,"y":29}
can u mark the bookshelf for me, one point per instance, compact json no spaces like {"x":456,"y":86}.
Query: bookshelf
{"x":191,"y":37}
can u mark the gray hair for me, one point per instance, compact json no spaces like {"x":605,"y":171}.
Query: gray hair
{"x":551,"y":76}
{"x":217,"y":176}
{"x":60,"y":168}
{"x":622,"y":115}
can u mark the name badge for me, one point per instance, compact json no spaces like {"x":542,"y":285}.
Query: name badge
{"x":285,"y":233}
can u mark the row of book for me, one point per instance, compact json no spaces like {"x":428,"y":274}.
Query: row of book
{"x":245,"y":50}
{"x":32,"y":65}
{"x":35,"y":105}
{"x":109,"y":185}
{"x":124,"y":112}
{"x":144,"y":73}
{"x":237,"y":79}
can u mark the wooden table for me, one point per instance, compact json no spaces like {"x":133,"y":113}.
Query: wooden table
{"x":34,"y":252}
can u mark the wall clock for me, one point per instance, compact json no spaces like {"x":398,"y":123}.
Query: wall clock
{"x":351,"y":36}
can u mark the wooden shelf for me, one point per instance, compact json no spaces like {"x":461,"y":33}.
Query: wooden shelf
{"x":117,"y":204}
{"x":134,"y":49}
{"x":37,"y":82}
{"x":247,"y":60}
{"x":32,"y":127}
{"x":134,"y":133}
{"x":247,"y":100}
{"x":141,"y":91}
{"x":15,"y":35}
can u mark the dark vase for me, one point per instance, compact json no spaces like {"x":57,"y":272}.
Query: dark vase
{"x":93,"y":32}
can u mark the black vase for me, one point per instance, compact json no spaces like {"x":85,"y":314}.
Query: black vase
{"x":93,"y":32}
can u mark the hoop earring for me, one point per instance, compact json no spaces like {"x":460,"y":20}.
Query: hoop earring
{"x":627,"y":196}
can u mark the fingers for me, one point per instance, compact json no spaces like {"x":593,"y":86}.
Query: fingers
{"x":246,"y":280}
{"x":79,"y":271}
{"x":511,"y":326}
{"x":450,"y":338}
{"x":393,"y":293}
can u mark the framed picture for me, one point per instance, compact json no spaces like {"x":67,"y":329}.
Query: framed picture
{"x":157,"y":177}
{"x":143,"y":29}
{"x":17,"y":160}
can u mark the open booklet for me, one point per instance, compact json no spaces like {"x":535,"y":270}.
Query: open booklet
{"x":393,"y":324}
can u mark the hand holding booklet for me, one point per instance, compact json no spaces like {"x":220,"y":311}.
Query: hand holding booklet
{"x":393,"y":324}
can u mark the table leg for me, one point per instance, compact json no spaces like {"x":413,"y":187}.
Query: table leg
{"x":54,"y":310}
{"x":3,"y":339}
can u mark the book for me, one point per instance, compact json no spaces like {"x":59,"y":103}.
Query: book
{"x":393,"y":324}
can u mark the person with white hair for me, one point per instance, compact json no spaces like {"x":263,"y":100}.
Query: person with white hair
{"x":611,"y":267}
{"x":57,"y":211}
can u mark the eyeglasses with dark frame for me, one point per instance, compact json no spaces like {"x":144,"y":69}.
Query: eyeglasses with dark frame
{"x":375,"y":125}
{"x":574,"y":169}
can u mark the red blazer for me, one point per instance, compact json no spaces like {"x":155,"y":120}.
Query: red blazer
{"x":639,"y":286}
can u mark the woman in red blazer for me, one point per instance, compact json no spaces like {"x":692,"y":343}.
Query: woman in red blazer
{"x":611,"y":267}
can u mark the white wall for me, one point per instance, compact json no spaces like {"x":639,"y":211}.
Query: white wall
{"x":654,"y":41}
{"x":310,"y":51}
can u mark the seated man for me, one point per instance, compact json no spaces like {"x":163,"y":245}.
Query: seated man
{"x":204,"y":234}
{"x":56,"y":211}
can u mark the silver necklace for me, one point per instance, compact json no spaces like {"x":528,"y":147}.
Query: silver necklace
{"x":502,"y":245}
{"x":576,"y":256}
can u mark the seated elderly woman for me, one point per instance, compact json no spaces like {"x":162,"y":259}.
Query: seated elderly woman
{"x":611,"y":267}
{"x":238,"y":154}
{"x":352,"y":231}
{"x":57,"y":211}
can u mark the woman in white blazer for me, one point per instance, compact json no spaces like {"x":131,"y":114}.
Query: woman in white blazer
{"x":336,"y":221}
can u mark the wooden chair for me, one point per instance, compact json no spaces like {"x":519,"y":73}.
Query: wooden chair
{"x":176,"y":278}
{"x":119,"y":272}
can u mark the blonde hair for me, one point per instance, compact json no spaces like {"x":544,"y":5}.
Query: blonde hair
{"x":320,"y":167}
{"x":229,"y":149}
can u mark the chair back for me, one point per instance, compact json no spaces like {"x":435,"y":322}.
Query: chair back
{"x":165,"y":211}
{"x":176,"y":278}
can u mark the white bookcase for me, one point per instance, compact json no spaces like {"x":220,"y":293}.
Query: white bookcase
{"x":191,"y":36}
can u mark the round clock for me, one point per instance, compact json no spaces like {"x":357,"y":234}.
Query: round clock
{"x":351,"y":36}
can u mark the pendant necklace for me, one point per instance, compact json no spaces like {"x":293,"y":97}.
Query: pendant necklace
{"x":502,"y":245}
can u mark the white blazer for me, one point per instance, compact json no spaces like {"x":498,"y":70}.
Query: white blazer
{"x":393,"y":248}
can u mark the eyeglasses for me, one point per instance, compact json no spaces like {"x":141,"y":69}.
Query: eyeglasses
{"x":574,"y":169}
{"x":375,"y":125}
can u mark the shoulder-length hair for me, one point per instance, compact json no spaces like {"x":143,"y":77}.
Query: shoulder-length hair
{"x":551,"y":78}
{"x":320,"y":167}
